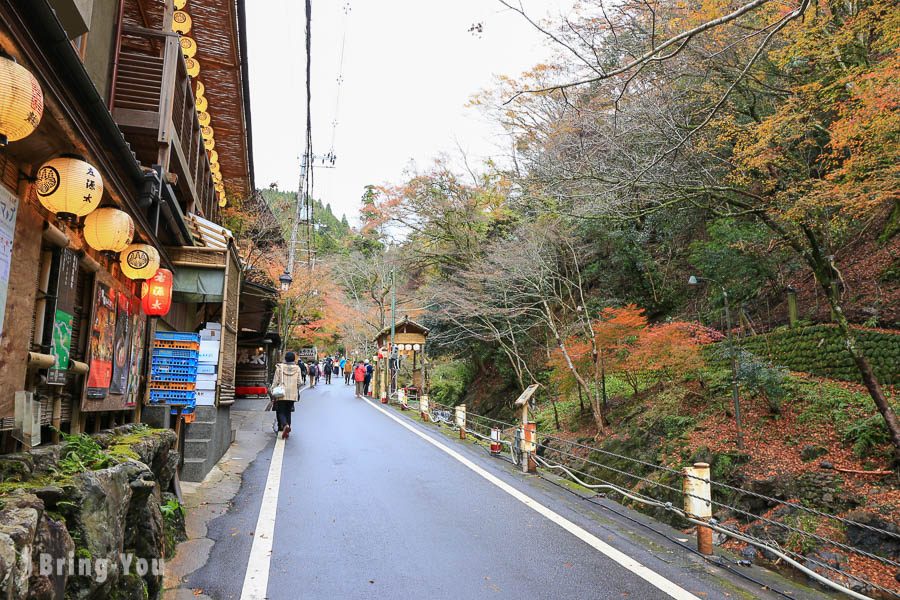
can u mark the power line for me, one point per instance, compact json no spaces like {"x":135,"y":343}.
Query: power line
{"x":340,"y":82}
{"x":308,"y":183}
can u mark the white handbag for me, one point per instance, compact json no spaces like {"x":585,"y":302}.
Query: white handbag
{"x":277,"y":392}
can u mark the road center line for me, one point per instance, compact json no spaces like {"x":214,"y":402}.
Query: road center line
{"x":256,"y":581}
{"x":645,"y":573}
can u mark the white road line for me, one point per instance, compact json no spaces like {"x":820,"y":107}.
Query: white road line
{"x":645,"y":573}
{"x":256,"y":581}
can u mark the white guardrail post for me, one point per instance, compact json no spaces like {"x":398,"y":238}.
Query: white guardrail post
{"x":698,"y":503}
{"x":461,"y":420}
{"x":496,"y":446}
{"x":424,"y":409}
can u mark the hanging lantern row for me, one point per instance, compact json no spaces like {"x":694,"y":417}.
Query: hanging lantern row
{"x":156,"y":294}
{"x":181,"y":24}
{"x":139,"y":261}
{"x":21,"y":101}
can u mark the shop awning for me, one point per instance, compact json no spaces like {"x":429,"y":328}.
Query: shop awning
{"x":196,"y":284}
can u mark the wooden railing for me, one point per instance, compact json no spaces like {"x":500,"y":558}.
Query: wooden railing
{"x":155,"y":106}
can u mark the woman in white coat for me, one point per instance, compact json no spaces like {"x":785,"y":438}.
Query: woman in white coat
{"x":287,"y":375}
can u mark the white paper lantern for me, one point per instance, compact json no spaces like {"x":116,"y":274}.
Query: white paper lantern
{"x":108,"y":229}
{"x":69,"y":187}
{"x":181,"y":22}
{"x":21,"y":102}
{"x":188,"y":46}
{"x":139,"y":261}
{"x":193,"y":66}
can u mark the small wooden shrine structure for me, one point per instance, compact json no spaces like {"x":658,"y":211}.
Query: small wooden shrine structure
{"x":409,"y":340}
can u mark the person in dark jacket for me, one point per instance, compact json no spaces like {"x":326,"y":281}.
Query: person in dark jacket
{"x":328,"y":370}
{"x":370,"y":370}
{"x":313,"y":372}
{"x":303,"y":370}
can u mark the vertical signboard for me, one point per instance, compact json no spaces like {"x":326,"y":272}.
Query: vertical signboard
{"x":103,"y":331}
{"x":121,"y":347}
{"x":9,"y":206}
{"x":138,"y":325}
{"x":61,"y":335}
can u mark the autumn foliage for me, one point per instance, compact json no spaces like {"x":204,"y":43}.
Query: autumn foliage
{"x":631,"y":347}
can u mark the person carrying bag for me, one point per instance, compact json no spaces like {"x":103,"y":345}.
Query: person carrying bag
{"x":285,"y":391}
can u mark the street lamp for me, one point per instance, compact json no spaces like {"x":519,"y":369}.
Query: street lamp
{"x":286,"y":281}
{"x":735,"y":394}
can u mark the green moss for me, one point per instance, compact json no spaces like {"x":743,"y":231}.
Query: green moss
{"x":83,"y":553}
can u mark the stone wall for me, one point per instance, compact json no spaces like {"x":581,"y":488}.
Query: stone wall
{"x":819,"y":350}
{"x":84,"y":519}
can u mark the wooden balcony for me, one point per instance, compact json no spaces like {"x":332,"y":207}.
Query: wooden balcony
{"x":153,"y":103}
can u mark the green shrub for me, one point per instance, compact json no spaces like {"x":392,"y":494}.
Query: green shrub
{"x":449,"y":382}
{"x":82,"y":453}
{"x":762,"y":378}
{"x":673,"y":426}
{"x":866,"y":435}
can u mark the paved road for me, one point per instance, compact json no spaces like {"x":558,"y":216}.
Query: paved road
{"x":368,"y":509}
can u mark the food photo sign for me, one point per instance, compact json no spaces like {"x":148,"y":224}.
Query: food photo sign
{"x":115,"y":348}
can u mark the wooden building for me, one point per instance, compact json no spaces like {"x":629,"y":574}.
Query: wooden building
{"x":155,"y":100}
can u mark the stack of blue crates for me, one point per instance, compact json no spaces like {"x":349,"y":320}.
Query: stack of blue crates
{"x":173,"y":376}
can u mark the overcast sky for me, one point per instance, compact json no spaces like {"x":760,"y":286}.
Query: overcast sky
{"x":409,"y":68}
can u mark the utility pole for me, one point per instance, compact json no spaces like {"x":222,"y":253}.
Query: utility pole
{"x":393,"y":308}
{"x":395,"y":356}
{"x":301,"y":205}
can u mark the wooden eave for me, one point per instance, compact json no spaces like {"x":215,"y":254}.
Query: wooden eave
{"x":216,"y":29}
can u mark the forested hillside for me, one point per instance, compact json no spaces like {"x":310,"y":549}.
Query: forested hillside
{"x":677,"y":174}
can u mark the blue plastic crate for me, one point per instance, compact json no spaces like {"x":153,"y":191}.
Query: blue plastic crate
{"x":173,"y":397}
{"x":177,"y":336}
{"x":185,"y":410}
{"x":176,"y":377}
{"x":176,"y":353}
{"x":169,"y":369}
{"x":171,"y":361}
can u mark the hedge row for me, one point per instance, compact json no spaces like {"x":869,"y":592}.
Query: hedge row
{"x":819,"y":349}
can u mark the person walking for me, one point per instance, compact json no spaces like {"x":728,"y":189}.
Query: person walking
{"x":303,"y":371}
{"x":336,"y":365}
{"x":359,"y":376}
{"x":328,"y":370}
{"x":287,"y":377}
{"x":341,"y":364}
{"x":313,"y":374}
{"x":348,"y":371}
{"x":370,"y":370}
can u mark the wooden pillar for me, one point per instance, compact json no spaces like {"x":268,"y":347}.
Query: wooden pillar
{"x":793,"y":312}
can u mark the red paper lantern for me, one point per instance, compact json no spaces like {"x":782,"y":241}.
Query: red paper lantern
{"x":156,"y":294}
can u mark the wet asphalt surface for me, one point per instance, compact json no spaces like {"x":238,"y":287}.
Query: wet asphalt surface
{"x":369,"y":510}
